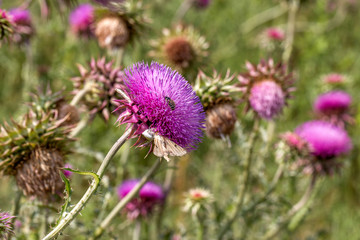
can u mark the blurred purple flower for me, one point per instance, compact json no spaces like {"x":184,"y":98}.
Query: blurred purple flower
{"x":275,"y":34}
{"x":20,"y":16}
{"x":68,"y":173}
{"x":161,"y":99}
{"x":334,"y":101}
{"x":267,"y":99}
{"x":333,"y":78}
{"x":325,"y":139}
{"x":150,"y":195}
{"x":81,"y":19}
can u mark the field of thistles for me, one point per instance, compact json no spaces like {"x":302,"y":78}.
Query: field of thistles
{"x":179,"y":120}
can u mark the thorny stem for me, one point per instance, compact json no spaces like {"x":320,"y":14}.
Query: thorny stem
{"x":245,"y":184}
{"x":91,"y":190}
{"x":290,"y":30}
{"x":295,"y":209}
{"x":100,"y":230}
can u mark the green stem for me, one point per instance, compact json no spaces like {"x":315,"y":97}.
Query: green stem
{"x":79,"y":127}
{"x":243,"y":187}
{"x":137,"y":230}
{"x":290,"y":30}
{"x":119,"y":56}
{"x":105,"y":223}
{"x":91,"y":190}
{"x":200,"y":229}
{"x":182,"y":10}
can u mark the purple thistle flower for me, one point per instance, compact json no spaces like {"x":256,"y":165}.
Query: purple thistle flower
{"x":325,"y":140}
{"x":150,"y":195}
{"x":20,"y":16}
{"x":6,"y":225}
{"x":68,"y":173}
{"x":276,"y":34}
{"x":267,"y":99}
{"x":161,"y":99}
{"x":81,"y":19}
{"x":338,"y":101}
{"x":334,"y":107}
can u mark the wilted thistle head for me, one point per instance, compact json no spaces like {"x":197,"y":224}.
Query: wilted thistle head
{"x":162,"y":100}
{"x":119,"y":23}
{"x":6,"y":225}
{"x":326,"y":142}
{"x":150,"y":195}
{"x":81,"y":20}
{"x":102,"y":80}
{"x":215,"y":95}
{"x":6,"y":27}
{"x":23,"y":27}
{"x":180,"y":47}
{"x":266,"y":88}
{"x":196,"y":199}
{"x":334,"y":107}
{"x":33,"y":151}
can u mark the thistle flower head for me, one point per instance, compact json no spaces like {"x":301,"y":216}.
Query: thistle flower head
{"x":334,"y":78}
{"x":81,"y":20}
{"x":196,"y":199}
{"x":266,"y":88}
{"x":161,"y":99}
{"x":119,"y":23}
{"x":6,"y":225}
{"x":325,"y":139}
{"x":180,"y":47}
{"x":150,"y":195}
{"x":33,"y":150}
{"x":101,"y":80}
{"x":23,"y":27}
{"x":215,"y":95}
{"x":334,"y":107}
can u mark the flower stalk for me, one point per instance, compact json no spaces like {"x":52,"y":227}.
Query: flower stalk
{"x":105,"y":223}
{"x":91,"y":190}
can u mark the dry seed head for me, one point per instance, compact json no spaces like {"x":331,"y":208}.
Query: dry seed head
{"x":220,"y":121}
{"x":180,"y":47}
{"x":112,"y":32}
{"x":39,"y":175}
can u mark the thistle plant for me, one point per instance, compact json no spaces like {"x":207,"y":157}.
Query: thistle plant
{"x":119,"y":23}
{"x":216,"y":95}
{"x":95,"y":87}
{"x":334,"y":107}
{"x":181,"y":47}
{"x":266,"y":88}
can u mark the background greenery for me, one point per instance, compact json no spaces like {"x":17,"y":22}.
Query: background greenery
{"x":324,"y":43}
